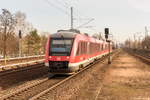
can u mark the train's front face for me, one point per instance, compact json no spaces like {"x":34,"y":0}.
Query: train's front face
{"x":60,"y":47}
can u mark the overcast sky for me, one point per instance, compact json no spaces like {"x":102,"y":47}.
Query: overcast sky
{"x":123,"y":17}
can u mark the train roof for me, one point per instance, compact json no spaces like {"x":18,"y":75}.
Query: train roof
{"x":63,"y":34}
{"x":73,"y":34}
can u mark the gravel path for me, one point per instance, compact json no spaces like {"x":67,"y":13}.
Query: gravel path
{"x":126,"y":79}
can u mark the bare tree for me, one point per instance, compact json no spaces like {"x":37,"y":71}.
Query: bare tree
{"x":43,"y":42}
{"x":7,"y":27}
{"x":146,"y":42}
{"x":10,"y":44}
{"x":21,"y":22}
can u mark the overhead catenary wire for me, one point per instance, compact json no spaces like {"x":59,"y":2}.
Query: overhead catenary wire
{"x":58,"y":8}
{"x":78,"y":16}
{"x":85,"y":23}
{"x":62,"y":6}
{"x":66,"y":5}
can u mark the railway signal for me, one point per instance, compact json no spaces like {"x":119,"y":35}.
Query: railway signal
{"x":20,"y":43}
{"x":106,"y":37}
{"x":106,"y":33}
{"x":20,"y":34}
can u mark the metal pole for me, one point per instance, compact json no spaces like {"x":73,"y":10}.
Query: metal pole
{"x":134,"y":42}
{"x":5,"y":38}
{"x":20,"y":47}
{"x":129,"y":43}
{"x":71,"y":17}
{"x":20,"y":43}
{"x":146,"y":31}
{"x":109,"y":58}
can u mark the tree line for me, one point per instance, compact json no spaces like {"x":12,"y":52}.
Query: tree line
{"x":139,"y":44}
{"x":30,"y":41}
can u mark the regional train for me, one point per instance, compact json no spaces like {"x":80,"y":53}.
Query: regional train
{"x":67,"y":51}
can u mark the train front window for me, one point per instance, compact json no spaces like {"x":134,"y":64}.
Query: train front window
{"x":60,"y":47}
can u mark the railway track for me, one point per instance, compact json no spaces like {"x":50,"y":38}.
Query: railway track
{"x":142,"y":57}
{"x":44,"y":95}
{"x":19,"y":69}
{"x":4,"y":62}
{"x":145,"y":53}
{"x":26,"y":92}
{"x":37,"y":90}
{"x":10,"y":78}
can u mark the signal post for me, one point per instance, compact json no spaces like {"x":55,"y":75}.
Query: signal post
{"x":108,"y":41}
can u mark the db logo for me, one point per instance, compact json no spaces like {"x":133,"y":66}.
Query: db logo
{"x":58,"y":58}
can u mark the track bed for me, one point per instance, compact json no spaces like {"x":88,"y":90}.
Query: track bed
{"x":126,"y":79}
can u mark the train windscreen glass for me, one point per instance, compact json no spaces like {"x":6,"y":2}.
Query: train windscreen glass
{"x":60,"y":47}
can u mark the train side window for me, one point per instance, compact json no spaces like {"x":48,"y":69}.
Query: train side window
{"x":81,"y":48}
{"x":90,"y":48}
{"x":78,"y":49}
{"x":102,"y":47}
{"x":97,"y":48}
{"x":94,"y":48}
{"x":107,"y":46}
{"x":85,"y":47}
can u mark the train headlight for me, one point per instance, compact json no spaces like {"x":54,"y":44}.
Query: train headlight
{"x":67,"y":57}
{"x":46,"y":64}
{"x":50,"y":57}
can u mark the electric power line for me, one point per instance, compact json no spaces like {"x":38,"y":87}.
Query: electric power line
{"x":60,"y":9}
{"x":79,"y":17}
{"x":85,"y":23}
{"x":61,"y":3}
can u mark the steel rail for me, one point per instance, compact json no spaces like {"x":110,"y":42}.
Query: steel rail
{"x":19,"y":69}
{"x":141,"y":57}
{"x":22,"y":89}
{"x":17,"y":92}
{"x":69,"y":78}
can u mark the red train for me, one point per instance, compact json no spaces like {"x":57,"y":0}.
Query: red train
{"x":68,"y":51}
